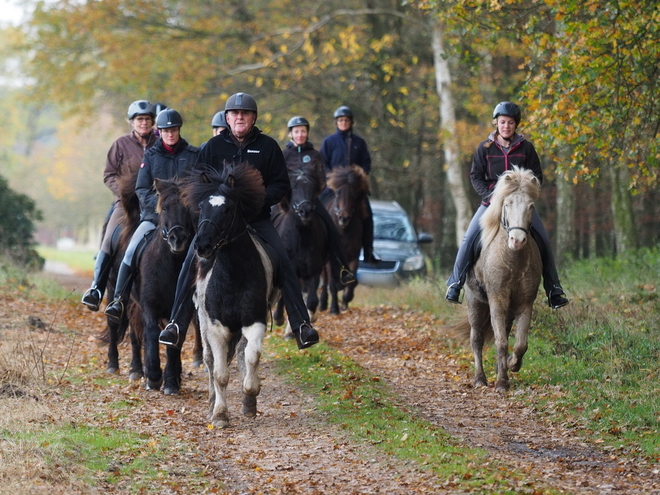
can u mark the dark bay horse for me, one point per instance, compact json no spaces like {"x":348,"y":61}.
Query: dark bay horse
{"x":347,"y":209}
{"x":502,"y":286}
{"x":303,"y":233}
{"x":235,"y":280}
{"x":155,"y":286}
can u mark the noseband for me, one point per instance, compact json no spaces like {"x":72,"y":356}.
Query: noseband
{"x":338,"y":210}
{"x":505,"y":223}
{"x":297,"y":207}
{"x":168,"y":232}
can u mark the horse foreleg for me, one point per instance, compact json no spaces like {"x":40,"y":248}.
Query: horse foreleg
{"x":312,"y":299}
{"x":137,"y":371}
{"x":217,"y":338}
{"x":498,"y":319}
{"x":520,"y":347}
{"x":152,"y":370}
{"x":323,"y":298}
{"x":254,"y":337}
{"x":113,"y":352}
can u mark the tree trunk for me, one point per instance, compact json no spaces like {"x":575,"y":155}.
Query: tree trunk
{"x":448,"y":127}
{"x":565,"y":228}
{"x":625,"y":234}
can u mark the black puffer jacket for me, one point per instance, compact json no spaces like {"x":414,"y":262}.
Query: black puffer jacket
{"x":159,"y":163}
{"x":491,"y":160}
{"x":260,"y":151}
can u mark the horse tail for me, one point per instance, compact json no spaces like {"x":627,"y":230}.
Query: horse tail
{"x":135,"y":320}
{"x":461,"y":332}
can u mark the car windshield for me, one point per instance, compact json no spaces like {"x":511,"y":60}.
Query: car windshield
{"x":393,"y":228}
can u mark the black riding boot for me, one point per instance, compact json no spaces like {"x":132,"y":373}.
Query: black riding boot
{"x":556,"y":296}
{"x":116,"y":309}
{"x":94,"y":295}
{"x":182,"y":309}
{"x":467,"y":255}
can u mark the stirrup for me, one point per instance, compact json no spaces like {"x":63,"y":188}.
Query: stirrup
{"x":453,"y":294}
{"x":557,"y":298}
{"x":170,"y":334}
{"x":310,"y":338}
{"x":92,"y":298}
{"x":346,"y":277}
{"x":113,"y":312}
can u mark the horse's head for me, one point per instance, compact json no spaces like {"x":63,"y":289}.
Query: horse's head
{"x":512,"y":207}
{"x":175,"y":222}
{"x":306,"y":185}
{"x":225,"y":201}
{"x":351,"y":186}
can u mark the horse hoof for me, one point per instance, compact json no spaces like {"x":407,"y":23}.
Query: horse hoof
{"x":502,"y":387}
{"x":514,"y":364}
{"x":278,"y":322}
{"x":249,"y":409}
{"x":220,"y":421}
{"x":153,"y":384}
{"x":112,"y":370}
{"x":135,"y":376}
{"x":480,"y":383}
{"x":171,"y":390}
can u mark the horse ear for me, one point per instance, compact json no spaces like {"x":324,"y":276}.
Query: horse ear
{"x":230,"y":180}
{"x":203,"y":178}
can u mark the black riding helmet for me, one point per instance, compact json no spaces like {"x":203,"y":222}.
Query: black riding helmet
{"x":219,"y":120}
{"x":509,"y":109}
{"x":297,"y":121}
{"x":343,"y":111}
{"x":159,"y":107}
{"x":140,"y":107}
{"x":241,"y":101}
{"x":168,"y":118}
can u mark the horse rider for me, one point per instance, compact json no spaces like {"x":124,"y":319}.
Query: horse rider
{"x":218,"y":123}
{"x":242,"y":142}
{"x":503,"y":149}
{"x":124,"y":158}
{"x":345,"y":148}
{"x":299,"y":151}
{"x":170,"y":157}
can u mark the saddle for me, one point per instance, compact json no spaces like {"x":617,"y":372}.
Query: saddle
{"x":278,"y":279}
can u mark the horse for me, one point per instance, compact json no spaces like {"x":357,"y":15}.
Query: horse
{"x":503,"y":284}
{"x":347,"y":209}
{"x":115,"y":332}
{"x":155,"y":285}
{"x":235,"y":280}
{"x":303,"y":233}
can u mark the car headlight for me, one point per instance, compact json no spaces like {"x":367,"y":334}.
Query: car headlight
{"x":413,"y":263}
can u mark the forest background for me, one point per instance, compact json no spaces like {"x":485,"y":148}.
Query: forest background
{"x":421,"y":77}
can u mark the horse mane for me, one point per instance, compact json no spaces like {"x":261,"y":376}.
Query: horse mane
{"x":165,"y":189}
{"x":239,"y":182}
{"x":509,"y":182}
{"x":353,"y":176}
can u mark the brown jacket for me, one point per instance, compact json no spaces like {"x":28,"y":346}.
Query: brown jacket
{"x":125,"y":156}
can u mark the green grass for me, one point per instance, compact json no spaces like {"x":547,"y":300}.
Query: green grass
{"x":79,"y":260}
{"x":363,"y":407}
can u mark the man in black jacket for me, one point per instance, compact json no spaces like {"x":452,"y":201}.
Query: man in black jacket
{"x":244,"y":142}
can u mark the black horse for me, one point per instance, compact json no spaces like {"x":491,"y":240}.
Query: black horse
{"x":154,"y":289}
{"x":303,"y":233}
{"x":235,"y":282}
{"x":348,"y":211}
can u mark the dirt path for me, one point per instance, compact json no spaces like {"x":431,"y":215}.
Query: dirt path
{"x":290,"y":449}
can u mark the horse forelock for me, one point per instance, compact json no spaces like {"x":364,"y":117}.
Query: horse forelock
{"x":352,"y":176}
{"x":306,"y":172}
{"x":241,"y":183}
{"x":167,"y":190}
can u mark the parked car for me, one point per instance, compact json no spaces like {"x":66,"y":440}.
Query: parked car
{"x":397,"y":244}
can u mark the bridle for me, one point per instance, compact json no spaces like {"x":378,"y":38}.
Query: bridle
{"x":297,"y":207}
{"x":505,"y":223}
{"x":168,"y":232}
{"x":224,"y":238}
{"x":338,"y":210}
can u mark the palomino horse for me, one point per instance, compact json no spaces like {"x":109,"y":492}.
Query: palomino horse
{"x":502,"y":286}
{"x":348,"y":211}
{"x":303,"y":233}
{"x":154,"y":289}
{"x":235,"y":282}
